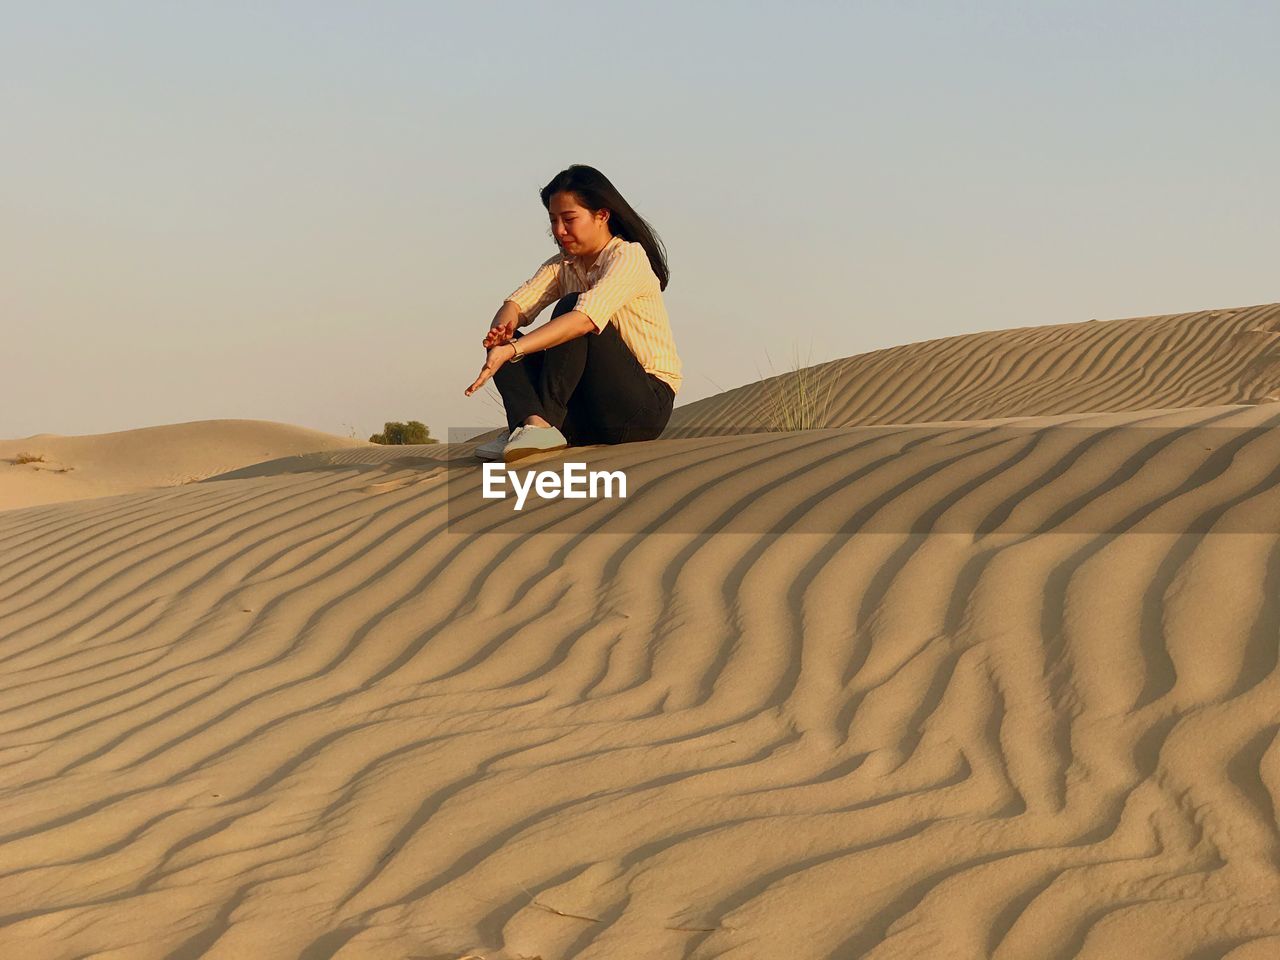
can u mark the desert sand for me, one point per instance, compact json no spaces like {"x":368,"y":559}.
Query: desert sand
{"x":47,"y":468}
{"x":983,"y":666}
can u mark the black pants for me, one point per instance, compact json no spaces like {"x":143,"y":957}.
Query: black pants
{"x":592,"y":388}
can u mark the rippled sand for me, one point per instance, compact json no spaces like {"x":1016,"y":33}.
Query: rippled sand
{"x":987,"y":667}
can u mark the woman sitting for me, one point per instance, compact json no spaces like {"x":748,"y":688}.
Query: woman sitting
{"x":604,"y":368}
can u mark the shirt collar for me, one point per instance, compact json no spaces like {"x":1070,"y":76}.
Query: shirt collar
{"x":613,"y":242}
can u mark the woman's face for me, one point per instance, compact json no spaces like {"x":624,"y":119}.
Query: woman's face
{"x":576,"y":228}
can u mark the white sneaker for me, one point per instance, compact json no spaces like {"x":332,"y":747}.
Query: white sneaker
{"x":526,"y":441}
{"x":492,"y":449}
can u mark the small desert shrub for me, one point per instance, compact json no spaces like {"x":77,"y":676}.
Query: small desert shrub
{"x":799,"y":399}
{"x":29,"y":458}
{"x":411,"y":432}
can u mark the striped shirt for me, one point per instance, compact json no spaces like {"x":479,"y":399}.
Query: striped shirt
{"x":620,"y":286}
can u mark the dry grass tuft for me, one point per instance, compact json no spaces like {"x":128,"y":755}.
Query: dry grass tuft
{"x":799,"y":398}
{"x":29,"y":458}
{"x":494,"y":400}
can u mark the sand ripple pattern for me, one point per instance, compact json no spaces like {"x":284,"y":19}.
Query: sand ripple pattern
{"x":1200,"y":359}
{"x":289,"y":714}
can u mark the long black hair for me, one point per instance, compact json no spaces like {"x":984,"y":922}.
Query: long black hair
{"x":595,"y":192}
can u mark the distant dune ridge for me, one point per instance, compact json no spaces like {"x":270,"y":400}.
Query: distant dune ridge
{"x":287,"y":712}
{"x":105,"y":464}
{"x":1202,"y":359}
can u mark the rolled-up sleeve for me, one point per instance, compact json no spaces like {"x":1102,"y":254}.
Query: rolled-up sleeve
{"x":627,"y":276}
{"x":532,"y":296}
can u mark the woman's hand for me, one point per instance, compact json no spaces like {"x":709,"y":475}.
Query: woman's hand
{"x":498,"y":355}
{"x":500,"y":333}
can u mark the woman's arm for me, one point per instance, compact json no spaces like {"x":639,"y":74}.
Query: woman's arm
{"x":505,"y":322}
{"x":567,"y":326}
{"x":504,"y":325}
{"x":542,"y":288}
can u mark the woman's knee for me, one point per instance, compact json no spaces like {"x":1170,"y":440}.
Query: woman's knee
{"x":509,"y":372}
{"x":564,"y":305}
{"x":570,"y":349}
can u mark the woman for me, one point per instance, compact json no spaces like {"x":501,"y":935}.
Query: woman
{"x":604,"y":368}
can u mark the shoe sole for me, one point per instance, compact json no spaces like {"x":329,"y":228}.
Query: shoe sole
{"x":515,"y":456}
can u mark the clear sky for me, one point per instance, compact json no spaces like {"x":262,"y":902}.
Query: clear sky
{"x":308,"y":212}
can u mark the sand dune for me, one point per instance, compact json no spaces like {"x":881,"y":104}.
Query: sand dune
{"x":106,"y":464}
{"x":1206,"y":358}
{"x":1030,"y":710}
